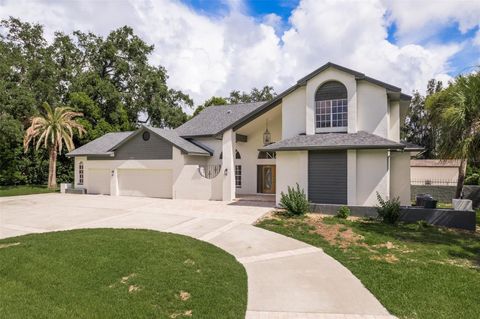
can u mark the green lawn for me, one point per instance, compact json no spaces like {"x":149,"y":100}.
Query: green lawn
{"x":24,"y":190}
{"x":416,"y":271}
{"x":107,"y":273}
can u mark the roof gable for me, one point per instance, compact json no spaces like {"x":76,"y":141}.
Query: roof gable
{"x":216,"y":119}
{"x":101,"y":146}
{"x":391,"y":89}
{"x":108,"y":143}
{"x":358,"y":76}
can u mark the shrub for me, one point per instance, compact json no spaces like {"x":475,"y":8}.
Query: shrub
{"x":472,"y":179}
{"x":295,"y":201}
{"x":343,"y":212}
{"x":388,"y":210}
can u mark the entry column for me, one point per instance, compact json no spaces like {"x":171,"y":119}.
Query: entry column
{"x":228,"y":168}
{"x":114,"y":182}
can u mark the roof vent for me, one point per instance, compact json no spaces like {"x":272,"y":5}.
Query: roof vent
{"x":229,"y":112}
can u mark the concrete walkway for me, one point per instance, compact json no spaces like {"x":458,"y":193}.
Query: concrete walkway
{"x":286,"y":278}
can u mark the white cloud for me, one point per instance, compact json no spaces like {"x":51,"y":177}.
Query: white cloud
{"x":417,"y":21}
{"x":211,"y":55}
{"x":476,"y":40}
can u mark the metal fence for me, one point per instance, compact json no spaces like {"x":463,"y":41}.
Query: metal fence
{"x":434,"y":182}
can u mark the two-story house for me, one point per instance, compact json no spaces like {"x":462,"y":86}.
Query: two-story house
{"x":336,"y":133}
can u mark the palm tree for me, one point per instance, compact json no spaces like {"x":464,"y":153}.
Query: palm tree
{"x":53,"y":129}
{"x":456,"y":111}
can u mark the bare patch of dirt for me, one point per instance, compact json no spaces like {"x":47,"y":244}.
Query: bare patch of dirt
{"x":189,"y":262}
{"x":389,"y":258}
{"x":463,"y":263}
{"x":187,"y":313}
{"x":389,"y":245}
{"x":133,"y":288}
{"x":336,"y":234}
{"x":125,"y":279}
{"x":8,"y":245}
{"x":183,"y":295}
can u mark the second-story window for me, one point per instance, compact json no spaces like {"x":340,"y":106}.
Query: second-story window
{"x":331,"y":107}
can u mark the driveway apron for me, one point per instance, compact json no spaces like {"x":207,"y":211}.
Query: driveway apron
{"x":286,"y":278}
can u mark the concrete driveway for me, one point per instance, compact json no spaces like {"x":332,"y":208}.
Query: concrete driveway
{"x":286,"y":278}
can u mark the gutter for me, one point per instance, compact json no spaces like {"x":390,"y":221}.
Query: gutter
{"x":331,"y":148}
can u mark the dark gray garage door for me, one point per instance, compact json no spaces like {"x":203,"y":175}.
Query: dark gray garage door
{"x":327,"y":177}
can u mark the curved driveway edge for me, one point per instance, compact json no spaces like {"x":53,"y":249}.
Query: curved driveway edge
{"x":286,"y":278}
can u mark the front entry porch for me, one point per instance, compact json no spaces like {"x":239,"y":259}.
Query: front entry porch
{"x":264,"y":198}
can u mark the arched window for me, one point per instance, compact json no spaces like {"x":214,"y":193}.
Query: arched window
{"x":331,"y":107}
{"x":80,"y":173}
{"x":266,"y":155}
{"x":237,"y":155}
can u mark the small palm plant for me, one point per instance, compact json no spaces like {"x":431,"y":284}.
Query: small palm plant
{"x":53,"y":129}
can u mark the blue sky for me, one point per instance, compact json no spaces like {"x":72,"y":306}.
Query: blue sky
{"x":464,"y":60}
{"x":210,"y":47}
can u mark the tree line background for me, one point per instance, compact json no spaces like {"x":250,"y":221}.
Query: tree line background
{"x":111,"y":81}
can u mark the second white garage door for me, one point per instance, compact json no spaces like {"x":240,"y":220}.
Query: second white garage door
{"x":145,"y":182}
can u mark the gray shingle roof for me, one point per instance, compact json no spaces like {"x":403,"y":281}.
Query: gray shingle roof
{"x":105,"y":145}
{"x":334,"y":141}
{"x":183,"y":144}
{"x":101,"y":145}
{"x":214,"y":119}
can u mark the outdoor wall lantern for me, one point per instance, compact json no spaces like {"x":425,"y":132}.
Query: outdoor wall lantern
{"x":225,"y":172}
{"x":267,"y":137}
{"x":113,"y":173}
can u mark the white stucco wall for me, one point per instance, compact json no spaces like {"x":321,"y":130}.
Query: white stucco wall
{"x":313,"y":84}
{"x":400,"y":176}
{"x":187,"y":181}
{"x":372,"y":109}
{"x":352,"y":177}
{"x":294,"y":107}
{"x":394,"y":121}
{"x":249,"y":150}
{"x":372,"y":176}
{"x":434,"y":174}
{"x":292,"y":168}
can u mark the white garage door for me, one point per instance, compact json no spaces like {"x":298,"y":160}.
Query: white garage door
{"x":98,"y":181}
{"x":145,"y":182}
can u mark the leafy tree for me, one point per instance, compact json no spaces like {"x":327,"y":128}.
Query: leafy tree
{"x":236,"y":97}
{"x":418,"y":128}
{"x":53,"y":129}
{"x":11,"y":132}
{"x":265,"y":94}
{"x":108,"y":79}
{"x":214,"y":100}
{"x":456,"y":112}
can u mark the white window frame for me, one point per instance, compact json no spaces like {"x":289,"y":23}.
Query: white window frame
{"x":331,"y":120}
{"x":238,"y":176}
{"x":81,"y":173}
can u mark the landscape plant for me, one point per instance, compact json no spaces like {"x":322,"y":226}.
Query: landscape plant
{"x":343,"y":212}
{"x":295,"y":201}
{"x":51,"y":130}
{"x":388,"y":210}
{"x":456,"y":114}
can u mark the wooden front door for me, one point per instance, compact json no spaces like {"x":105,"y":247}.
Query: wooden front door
{"x":266,"y":179}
